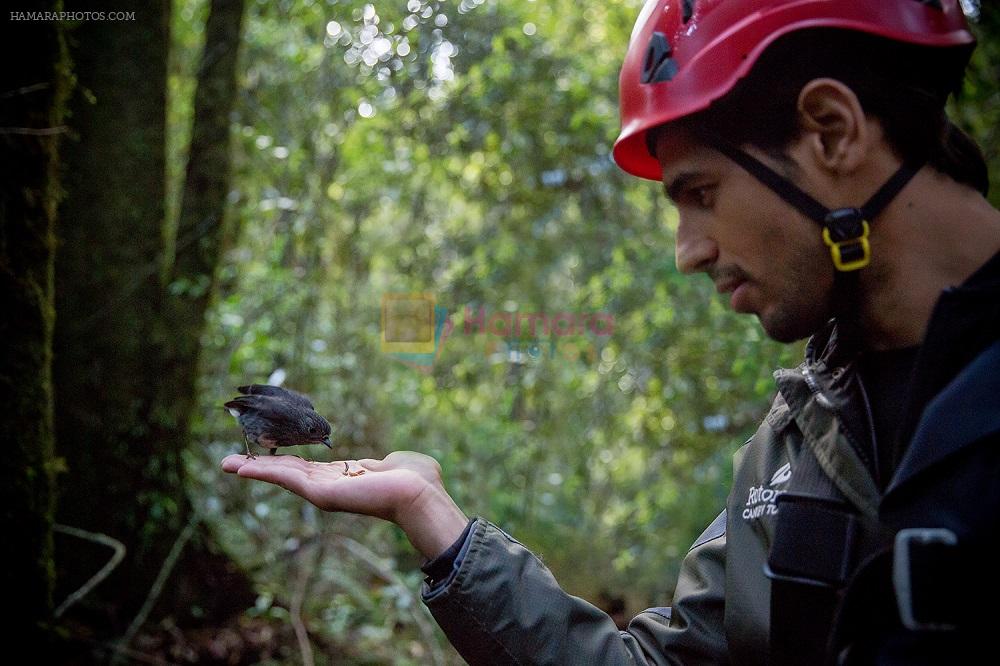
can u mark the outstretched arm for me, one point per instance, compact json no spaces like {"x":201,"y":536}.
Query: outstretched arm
{"x":405,"y":488}
{"x":502,"y":605}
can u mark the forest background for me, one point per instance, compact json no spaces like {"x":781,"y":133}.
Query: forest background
{"x":200,"y":194}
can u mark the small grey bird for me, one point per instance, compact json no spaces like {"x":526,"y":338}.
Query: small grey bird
{"x":272,"y":416}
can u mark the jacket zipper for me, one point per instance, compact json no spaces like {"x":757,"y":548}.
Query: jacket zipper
{"x":817,"y":391}
{"x":825,"y":403}
{"x":876,"y":469}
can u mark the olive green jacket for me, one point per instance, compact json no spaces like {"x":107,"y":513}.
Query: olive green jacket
{"x":502,"y":606}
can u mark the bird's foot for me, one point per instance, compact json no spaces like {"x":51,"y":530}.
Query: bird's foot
{"x":250,"y":456}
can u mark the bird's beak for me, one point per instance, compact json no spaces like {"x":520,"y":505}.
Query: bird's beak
{"x":326,"y":440}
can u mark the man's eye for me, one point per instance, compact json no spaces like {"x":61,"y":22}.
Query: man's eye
{"x":701,"y":196}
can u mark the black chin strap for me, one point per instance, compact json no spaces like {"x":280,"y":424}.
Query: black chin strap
{"x":845,"y":230}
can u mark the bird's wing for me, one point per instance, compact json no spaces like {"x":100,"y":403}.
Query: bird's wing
{"x":266,"y":407}
{"x":238,"y":405}
{"x":276,"y":392}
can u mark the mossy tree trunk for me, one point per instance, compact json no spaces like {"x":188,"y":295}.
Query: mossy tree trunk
{"x":204,"y":578}
{"x":121,"y":481}
{"x":127,"y":340}
{"x":190,"y":277}
{"x":32,"y":104}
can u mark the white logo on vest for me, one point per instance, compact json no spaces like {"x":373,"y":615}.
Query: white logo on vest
{"x":761,"y":500}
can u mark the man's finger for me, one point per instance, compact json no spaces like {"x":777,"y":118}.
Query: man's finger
{"x":236,"y":461}
{"x":372,"y":464}
{"x":290,"y":474}
{"x":232,"y":463}
{"x":394,"y":460}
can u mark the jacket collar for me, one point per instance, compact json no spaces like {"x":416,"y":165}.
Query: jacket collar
{"x":965,"y":411}
{"x":952,"y":378}
{"x":965,"y":321}
{"x":824,"y":400}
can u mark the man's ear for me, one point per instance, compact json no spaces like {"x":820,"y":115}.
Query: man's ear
{"x":835,"y":127}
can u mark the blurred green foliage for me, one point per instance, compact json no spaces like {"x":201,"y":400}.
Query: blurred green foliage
{"x":460,"y":149}
{"x":977,"y":110}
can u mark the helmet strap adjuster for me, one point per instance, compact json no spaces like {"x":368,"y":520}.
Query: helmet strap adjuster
{"x":845,"y":232}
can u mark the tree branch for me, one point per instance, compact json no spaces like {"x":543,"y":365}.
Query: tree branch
{"x":114,"y":544}
{"x":34,"y":131}
{"x":157,"y":588}
{"x":377,"y":564}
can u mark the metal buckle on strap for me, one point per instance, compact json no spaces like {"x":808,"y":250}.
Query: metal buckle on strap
{"x":909,"y":541}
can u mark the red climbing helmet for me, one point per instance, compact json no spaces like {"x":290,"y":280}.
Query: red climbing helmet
{"x":684,"y":54}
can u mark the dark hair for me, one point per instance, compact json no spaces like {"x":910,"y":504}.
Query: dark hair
{"x":904,"y":86}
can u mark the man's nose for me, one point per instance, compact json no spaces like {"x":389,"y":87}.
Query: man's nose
{"x":695,"y":251}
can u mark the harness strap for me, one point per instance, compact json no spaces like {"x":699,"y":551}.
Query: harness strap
{"x":813,"y":553}
{"x":913,"y":601}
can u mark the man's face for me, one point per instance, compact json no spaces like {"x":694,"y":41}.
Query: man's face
{"x":752,"y":244}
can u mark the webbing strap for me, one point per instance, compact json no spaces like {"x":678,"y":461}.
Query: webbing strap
{"x":777,"y":183}
{"x":801,"y":620}
{"x":889,"y":190}
{"x":810,"y":559}
{"x":805,"y":203}
{"x":845,"y":230}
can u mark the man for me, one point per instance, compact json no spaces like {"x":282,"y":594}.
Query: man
{"x":819,"y":183}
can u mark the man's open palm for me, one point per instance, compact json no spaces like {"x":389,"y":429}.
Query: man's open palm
{"x":405,"y":487}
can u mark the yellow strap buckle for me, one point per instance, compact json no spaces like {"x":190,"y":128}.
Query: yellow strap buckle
{"x":849,"y":247}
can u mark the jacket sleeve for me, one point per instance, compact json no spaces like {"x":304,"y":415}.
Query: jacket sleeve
{"x":503,"y":606}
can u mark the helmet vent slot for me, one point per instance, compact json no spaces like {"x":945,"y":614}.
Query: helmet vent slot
{"x":658,"y":66}
{"x":687,"y":10}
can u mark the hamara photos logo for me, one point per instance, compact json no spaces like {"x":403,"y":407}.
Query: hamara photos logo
{"x":414,"y":328}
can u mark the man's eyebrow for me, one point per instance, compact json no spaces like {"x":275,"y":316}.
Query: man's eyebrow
{"x":674,"y":188}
